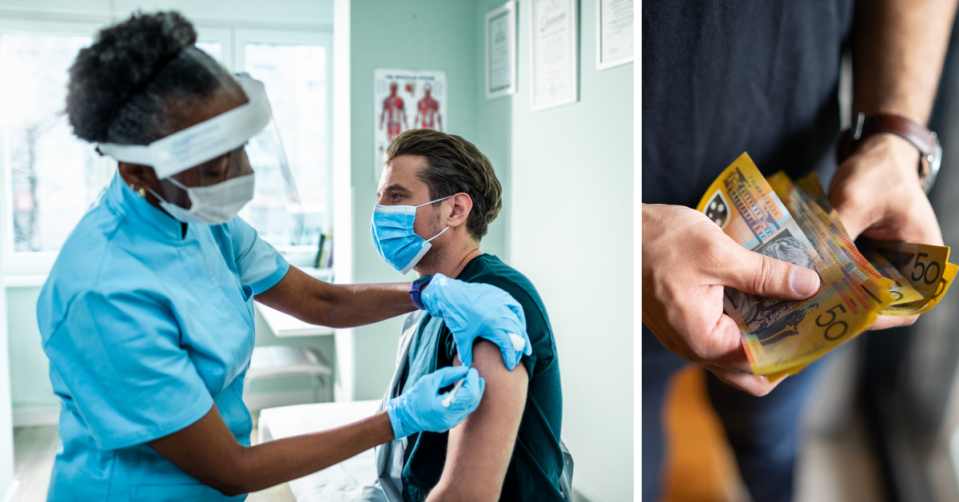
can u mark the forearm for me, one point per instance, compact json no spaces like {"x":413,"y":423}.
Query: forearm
{"x":337,"y":306}
{"x":898,"y":47}
{"x":276,"y":462}
{"x":345,"y":306}
{"x":210,"y":453}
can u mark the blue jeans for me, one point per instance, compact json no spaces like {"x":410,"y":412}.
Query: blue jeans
{"x":763,"y":432}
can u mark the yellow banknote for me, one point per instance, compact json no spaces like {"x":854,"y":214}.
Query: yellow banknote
{"x":783,"y":336}
{"x":902,"y":291}
{"x":925,"y":266}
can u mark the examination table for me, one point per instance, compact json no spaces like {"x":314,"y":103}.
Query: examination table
{"x":341,"y":482}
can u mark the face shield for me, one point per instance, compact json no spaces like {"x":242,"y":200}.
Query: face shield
{"x":212,"y":164}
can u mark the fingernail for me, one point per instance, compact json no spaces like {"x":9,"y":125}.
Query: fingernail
{"x":803,"y":281}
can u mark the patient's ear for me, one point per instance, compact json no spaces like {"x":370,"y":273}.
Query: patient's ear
{"x":462,"y":204}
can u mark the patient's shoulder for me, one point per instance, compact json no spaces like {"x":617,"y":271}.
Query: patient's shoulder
{"x":489,"y":269}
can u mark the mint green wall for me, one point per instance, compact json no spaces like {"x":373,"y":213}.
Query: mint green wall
{"x":410,"y":35}
{"x":572,"y":235}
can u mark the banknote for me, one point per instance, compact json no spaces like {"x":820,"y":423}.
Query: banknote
{"x":926,"y":267}
{"x":908,"y":300}
{"x":781,"y":337}
{"x":902,"y":290}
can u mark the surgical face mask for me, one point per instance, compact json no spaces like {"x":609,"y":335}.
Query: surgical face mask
{"x":214,"y":204}
{"x":395,"y":239}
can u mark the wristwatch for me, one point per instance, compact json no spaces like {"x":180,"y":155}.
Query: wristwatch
{"x":923,"y":139}
{"x":417,"y":287}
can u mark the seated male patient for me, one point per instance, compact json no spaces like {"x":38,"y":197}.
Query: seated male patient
{"x":509,"y":448}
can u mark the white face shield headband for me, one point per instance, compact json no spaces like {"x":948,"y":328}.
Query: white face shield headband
{"x":199,"y":143}
{"x":249,"y":127}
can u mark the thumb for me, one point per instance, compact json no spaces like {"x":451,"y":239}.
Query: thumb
{"x":761,"y":275}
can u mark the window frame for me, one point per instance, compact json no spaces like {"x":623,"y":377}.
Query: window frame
{"x":30,"y":268}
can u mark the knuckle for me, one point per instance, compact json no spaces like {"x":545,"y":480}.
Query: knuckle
{"x":764,"y":275}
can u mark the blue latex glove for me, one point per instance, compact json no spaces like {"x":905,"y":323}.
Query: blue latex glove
{"x":422,"y":408}
{"x":472,"y":311}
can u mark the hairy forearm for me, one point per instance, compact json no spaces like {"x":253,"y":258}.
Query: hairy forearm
{"x":898,"y":47}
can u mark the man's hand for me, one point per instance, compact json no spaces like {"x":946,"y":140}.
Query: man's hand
{"x":877,"y":194}
{"x":687,"y":260}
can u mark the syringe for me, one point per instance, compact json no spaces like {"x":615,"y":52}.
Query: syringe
{"x":452,"y":393}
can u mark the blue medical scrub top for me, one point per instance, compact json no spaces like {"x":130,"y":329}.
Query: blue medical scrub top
{"x":147,"y":329}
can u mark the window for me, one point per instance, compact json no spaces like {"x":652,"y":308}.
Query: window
{"x":296,"y":82}
{"x":296,"y":70}
{"x":49,"y":178}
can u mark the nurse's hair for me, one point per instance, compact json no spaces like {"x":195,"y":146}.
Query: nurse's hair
{"x":126,"y":87}
{"x":454,"y":165}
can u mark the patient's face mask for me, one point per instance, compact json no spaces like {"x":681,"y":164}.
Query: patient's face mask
{"x":395,"y":239}
{"x":190,"y":162}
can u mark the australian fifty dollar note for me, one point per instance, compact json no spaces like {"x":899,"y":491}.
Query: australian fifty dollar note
{"x":781,"y":337}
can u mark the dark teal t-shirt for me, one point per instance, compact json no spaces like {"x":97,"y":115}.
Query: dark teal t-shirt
{"x":537,"y":463}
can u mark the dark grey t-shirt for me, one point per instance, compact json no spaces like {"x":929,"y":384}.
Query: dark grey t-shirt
{"x":725,"y":77}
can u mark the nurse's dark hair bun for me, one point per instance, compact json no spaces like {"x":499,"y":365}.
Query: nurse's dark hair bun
{"x":118,"y":85}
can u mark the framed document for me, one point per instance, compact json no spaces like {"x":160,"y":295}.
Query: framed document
{"x":614,"y":33}
{"x":501,"y":51}
{"x":555,"y":56}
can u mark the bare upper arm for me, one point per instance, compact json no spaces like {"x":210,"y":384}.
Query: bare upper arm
{"x":481,"y":446}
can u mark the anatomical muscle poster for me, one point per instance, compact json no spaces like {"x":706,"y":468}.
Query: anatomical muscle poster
{"x":404,"y":100}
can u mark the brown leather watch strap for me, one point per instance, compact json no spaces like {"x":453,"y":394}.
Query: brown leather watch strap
{"x":923,"y":139}
{"x":916,"y":134}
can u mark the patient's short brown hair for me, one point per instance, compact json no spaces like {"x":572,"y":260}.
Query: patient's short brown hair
{"x":454,"y":165}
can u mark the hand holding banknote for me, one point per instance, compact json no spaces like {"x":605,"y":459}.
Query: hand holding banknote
{"x":687,"y":263}
{"x":876,"y":193}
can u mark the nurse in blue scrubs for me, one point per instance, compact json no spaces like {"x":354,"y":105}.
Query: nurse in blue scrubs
{"x":147,"y":316}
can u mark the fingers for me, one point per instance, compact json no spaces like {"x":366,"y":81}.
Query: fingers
{"x":886,"y":321}
{"x":470,"y":393}
{"x":756,"y":385}
{"x":761,"y":275}
{"x":449,"y":375}
{"x":726,"y":349}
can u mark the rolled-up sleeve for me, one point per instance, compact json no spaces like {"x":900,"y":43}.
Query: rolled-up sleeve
{"x":127,"y":375}
{"x":259,"y":264}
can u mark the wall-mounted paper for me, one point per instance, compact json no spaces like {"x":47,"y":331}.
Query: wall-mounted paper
{"x":404,"y":100}
{"x":554,"y":44}
{"x":501,"y":51}
{"x":614,"y":33}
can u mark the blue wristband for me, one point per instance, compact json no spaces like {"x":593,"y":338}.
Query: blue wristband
{"x":417,"y":287}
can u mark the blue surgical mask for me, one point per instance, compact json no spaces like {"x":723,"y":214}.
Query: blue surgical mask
{"x":395,"y":239}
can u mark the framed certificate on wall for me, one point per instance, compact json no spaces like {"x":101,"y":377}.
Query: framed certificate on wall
{"x":501,"y":51}
{"x":554,"y":46}
{"x":614,"y":33}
